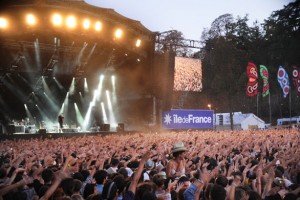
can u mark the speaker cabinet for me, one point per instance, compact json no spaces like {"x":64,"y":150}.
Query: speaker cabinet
{"x":11,"y":129}
{"x":106,"y":127}
{"x":42,"y":131}
{"x":121,"y":127}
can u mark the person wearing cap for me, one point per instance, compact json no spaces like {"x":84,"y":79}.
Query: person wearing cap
{"x":176,"y":166}
{"x":162,"y":174}
{"x":149,"y":165}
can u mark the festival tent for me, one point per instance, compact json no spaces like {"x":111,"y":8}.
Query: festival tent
{"x":240,"y":121}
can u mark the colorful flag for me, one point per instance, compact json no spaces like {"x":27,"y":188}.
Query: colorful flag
{"x":283,"y":80}
{"x":296,"y":79}
{"x":252,"y":85}
{"x":265,"y":76}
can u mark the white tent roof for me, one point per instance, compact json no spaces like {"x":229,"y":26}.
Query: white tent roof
{"x":239,"y":117}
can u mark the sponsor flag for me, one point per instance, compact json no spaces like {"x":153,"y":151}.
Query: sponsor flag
{"x":296,"y":79}
{"x":283,"y":80}
{"x":252,"y":85}
{"x":265,"y":76}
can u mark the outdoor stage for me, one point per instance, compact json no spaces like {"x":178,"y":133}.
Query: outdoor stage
{"x":91,"y":72}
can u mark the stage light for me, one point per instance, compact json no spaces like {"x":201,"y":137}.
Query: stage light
{"x":3,"y":23}
{"x":57,"y":20}
{"x":50,"y":98}
{"x":113,"y":81}
{"x":62,"y":108}
{"x":98,"y":26}
{"x":118,"y":33}
{"x":87,"y":117}
{"x":86,"y":24}
{"x":29,"y":115}
{"x":96,"y":94}
{"x":104,"y":113}
{"x":91,"y":51}
{"x":30,"y":19}
{"x":71,"y":22}
{"x":37,"y":53}
{"x":79,"y":117}
{"x":138,"y":43}
{"x":113,"y":78}
{"x":58,"y":83}
{"x":108,"y":101}
{"x":112,"y":119}
{"x":86,"y":87}
{"x":72,"y":87}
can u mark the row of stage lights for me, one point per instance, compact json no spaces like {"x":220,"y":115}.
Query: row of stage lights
{"x":70,"y":22}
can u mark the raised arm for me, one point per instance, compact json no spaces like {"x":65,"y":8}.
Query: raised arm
{"x":138,"y":173}
{"x":8,"y":188}
{"x":54,"y":186}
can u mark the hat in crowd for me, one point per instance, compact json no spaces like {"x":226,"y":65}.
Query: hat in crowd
{"x":278,"y":181}
{"x":178,"y":146}
{"x":163,"y":174}
{"x":149,"y":164}
{"x":159,"y":167}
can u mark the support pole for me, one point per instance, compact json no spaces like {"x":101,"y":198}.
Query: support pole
{"x":290,"y":105}
{"x":257,"y":104}
{"x":270,"y":110}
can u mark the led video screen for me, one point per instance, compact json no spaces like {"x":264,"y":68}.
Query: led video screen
{"x":188,"y":74}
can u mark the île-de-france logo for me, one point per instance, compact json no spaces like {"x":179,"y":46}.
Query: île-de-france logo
{"x":167,"y":119}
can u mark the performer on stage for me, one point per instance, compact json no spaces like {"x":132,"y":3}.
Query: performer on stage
{"x":61,"y":120}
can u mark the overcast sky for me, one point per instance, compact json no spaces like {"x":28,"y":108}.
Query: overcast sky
{"x":189,"y":16}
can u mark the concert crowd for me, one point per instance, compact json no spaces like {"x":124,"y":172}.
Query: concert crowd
{"x":168,"y":165}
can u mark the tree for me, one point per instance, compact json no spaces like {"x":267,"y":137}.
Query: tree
{"x":230,"y":43}
{"x":282,"y":39}
{"x":227,"y":45}
{"x":282,"y":30}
